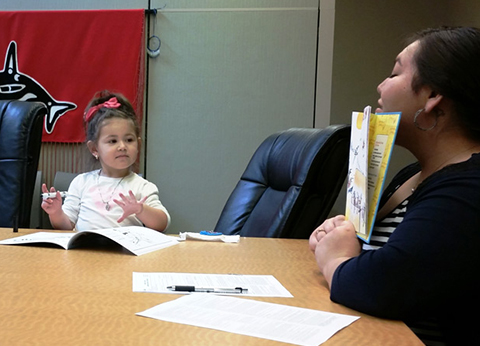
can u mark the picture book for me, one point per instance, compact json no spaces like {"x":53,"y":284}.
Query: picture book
{"x":371,"y":143}
{"x":138,"y":240}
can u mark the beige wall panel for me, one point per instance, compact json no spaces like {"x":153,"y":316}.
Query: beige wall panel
{"x":225,"y":80}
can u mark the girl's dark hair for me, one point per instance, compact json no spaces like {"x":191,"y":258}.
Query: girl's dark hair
{"x":448,"y":61}
{"x":124,"y":111}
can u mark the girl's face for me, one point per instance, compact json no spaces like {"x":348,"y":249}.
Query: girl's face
{"x":117,"y":146}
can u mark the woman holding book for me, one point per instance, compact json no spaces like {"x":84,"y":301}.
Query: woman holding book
{"x":423,"y":263}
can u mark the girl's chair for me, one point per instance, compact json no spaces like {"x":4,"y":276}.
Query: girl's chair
{"x":21,"y":126}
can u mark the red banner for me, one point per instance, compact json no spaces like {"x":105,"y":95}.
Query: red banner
{"x":62,"y":58}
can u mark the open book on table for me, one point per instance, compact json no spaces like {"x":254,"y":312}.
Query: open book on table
{"x":138,"y":240}
{"x":371,"y":144}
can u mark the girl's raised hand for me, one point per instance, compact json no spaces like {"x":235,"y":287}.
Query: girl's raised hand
{"x":51,"y":205}
{"x":129,"y":204}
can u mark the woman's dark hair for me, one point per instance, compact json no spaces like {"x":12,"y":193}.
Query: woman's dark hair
{"x":124,"y":111}
{"x":448,"y":61}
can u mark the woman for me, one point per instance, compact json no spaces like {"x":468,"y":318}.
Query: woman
{"x":424,"y":264}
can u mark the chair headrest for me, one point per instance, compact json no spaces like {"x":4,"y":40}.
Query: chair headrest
{"x":283,"y":159}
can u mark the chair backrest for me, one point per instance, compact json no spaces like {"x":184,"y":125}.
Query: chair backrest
{"x":36,"y":213}
{"x":289,"y":185}
{"x":21,"y":126}
{"x":62,"y":180}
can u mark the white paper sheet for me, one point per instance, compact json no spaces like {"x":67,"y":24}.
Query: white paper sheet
{"x":277,"y":322}
{"x":258,"y":285}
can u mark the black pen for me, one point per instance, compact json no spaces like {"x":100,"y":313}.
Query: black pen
{"x":178,"y":288}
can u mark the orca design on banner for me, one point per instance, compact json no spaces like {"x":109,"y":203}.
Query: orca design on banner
{"x":15,"y":85}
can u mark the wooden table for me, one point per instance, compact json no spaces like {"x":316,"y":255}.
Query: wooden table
{"x":51,"y":296}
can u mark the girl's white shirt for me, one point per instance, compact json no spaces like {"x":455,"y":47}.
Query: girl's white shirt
{"x":86,"y":209}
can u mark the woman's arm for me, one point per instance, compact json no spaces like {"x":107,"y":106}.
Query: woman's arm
{"x":427,"y":261}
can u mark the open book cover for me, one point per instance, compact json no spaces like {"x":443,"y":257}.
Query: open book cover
{"x":138,"y":240}
{"x":371,"y":144}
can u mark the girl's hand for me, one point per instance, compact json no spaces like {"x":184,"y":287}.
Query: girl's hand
{"x":130,"y":205}
{"x":51,"y":205}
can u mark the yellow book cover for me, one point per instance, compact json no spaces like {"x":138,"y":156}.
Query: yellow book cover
{"x":370,"y":150}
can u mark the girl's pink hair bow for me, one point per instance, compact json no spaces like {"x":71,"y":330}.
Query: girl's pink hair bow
{"x":112,"y":103}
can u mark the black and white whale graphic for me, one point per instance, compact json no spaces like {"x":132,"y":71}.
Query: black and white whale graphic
{"x":15,"y":85}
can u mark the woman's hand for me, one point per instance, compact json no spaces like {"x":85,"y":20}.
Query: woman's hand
{"x":334,"y":242}
{"x":327,"y":226}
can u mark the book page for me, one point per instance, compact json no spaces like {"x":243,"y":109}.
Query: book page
{"x":138,"y":240}
{"x":371,"y":144}
{"x":60,"y":239}
{"x":357,"y":187}
{"x":383,"y":131}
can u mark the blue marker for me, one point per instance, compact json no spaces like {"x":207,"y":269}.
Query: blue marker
{"x":210,"y":233}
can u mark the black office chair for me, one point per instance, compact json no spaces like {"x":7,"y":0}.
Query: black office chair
{"x":21,"y":126}
{"x":290,"y":184}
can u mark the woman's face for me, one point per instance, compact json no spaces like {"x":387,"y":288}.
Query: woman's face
{"x":397,"y":95}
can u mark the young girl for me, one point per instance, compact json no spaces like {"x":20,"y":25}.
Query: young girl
{"x":113,"y":195}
